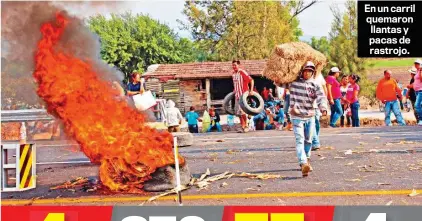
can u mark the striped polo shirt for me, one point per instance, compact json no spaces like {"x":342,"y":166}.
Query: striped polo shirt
{"x":303,"y":94}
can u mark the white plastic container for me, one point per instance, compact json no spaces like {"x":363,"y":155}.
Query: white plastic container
{"x":144,"y":101}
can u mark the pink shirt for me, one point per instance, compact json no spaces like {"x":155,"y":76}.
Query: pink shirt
{"x":350,"y":93}
{"x":335,"y":87}
{"x":417,"y":85}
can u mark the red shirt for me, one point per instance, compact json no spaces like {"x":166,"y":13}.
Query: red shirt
{"x":241,"y":80}
{"x":265,"y":94}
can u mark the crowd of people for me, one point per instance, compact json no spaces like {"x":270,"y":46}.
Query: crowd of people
{"x":301,"y":105}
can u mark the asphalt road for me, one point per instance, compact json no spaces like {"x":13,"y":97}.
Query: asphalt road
{"x":384,"y":167}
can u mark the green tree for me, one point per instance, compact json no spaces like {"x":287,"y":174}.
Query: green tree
{"x":322,"y":45}
{"x":343,"y":47}
{"x":242,"y":29}
{"x":133,"y":42}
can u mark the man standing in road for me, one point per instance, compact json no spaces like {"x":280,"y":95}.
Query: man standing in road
{"x":319,"y":80}
{"x":387,"y":92}
{"x":241,"y":80}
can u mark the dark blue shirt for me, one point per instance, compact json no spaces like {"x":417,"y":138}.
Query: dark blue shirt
{"x":134,"y":87}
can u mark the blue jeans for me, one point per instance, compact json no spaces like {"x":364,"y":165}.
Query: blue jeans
{"x":216,"y":126}
{"x":418,"y":104}
{"x":280,"y":117}
{"x":315,"y":136}
{"x":355,"y":114}
{"x":393,"y":106}
{"x":336,"y":112}
{"x":286,"y":107}
{"x":303,"y":130}
{"x":193,"y":128}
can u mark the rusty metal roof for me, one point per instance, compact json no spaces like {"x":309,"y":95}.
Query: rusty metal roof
{"x":204,"y":69}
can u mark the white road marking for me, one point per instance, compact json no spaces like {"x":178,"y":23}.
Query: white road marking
{"x":64,"y":162}
{"x":56,"y":145}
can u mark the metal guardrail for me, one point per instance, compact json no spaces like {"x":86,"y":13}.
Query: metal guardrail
{"x":25,"y":115}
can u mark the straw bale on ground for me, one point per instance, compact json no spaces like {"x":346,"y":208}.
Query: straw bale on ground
{"x":287,"y":60}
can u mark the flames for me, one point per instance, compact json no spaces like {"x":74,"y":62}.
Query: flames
{"x":108,"y":130}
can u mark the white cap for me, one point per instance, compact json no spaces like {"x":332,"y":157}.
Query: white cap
{"x":309,"y":66}
{"x":335,"y":70}
{"x":418,"y":61}
{"x":413,"y":70}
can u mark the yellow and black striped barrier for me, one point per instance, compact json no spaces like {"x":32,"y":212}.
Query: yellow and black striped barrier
{"x":18,"y":174}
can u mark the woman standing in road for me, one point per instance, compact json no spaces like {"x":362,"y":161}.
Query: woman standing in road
{"x":346,"y":109}
{"x":352,"y":98}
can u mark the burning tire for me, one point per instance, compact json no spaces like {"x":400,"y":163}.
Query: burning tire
{"x":251,"y":104}
{"x":164,"y":178}
{"x":183,"y":138}
{"x":228,"y":103}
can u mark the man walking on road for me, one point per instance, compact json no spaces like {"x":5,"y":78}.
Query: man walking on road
{"x":304,"y":92}
{"x":387,"y":92}
{"x":241,"y":80}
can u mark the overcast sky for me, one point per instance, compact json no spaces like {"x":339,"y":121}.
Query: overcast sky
{"x":315,"y":21}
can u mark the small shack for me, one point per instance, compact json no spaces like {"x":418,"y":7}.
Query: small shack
{"x":201,"y":84}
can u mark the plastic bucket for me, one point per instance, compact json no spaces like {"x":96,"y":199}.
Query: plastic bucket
{"x":144,"y":101}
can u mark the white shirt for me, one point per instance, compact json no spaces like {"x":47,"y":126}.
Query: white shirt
{"x":320,"y":81}
{"x":280,"y":92}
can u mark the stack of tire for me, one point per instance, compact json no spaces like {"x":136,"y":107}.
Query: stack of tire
{"x":244,"y":103}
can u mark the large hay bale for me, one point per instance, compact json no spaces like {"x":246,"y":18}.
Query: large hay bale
{"x":287,"y":60}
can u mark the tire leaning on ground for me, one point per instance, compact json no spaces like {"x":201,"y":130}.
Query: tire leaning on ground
{"x":247,"y":108}
{"x":228,"y":103}
{"x":183,"y":138}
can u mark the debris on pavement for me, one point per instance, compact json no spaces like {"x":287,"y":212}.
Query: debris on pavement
{"x":231,"y":151}
{"x":389,"y":203}
{"x":205,"y":180}
{"x":252,"y":189}
{"x":365,"y":168}
{"x":353,"y":180}
{"x":79,"y":181}
{"x":349,"y":164}
{"x":413,"y":193}
{"x":261,"y":176}
{"x":348,"y":152}
{"x":205,"y":175}
{"x":224,"y":184}
{"x":219,"y":141}
{"x":377,"y":138}
{"x":384,"y":184}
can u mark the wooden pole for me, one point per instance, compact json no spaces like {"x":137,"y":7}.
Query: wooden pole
{"x":176,"y":162}
{"x":208,"y":92}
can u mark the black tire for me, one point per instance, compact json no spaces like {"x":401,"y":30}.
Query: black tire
{"x":228,"y":103}
{"x":244,"y":104}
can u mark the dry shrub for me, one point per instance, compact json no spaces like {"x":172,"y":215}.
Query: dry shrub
{"x":287,"y":60}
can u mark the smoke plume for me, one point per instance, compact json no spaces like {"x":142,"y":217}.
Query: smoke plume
{"x":21,"y":22}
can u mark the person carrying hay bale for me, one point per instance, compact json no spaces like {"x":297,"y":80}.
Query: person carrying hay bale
{"x":303,"y":92}
{"x":241,"y":80}
{"x":286,"y":62}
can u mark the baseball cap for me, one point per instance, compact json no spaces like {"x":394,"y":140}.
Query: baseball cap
{"x":413,"y":70}
{"x":309,"y":66}
{"x":335,"y":70}
{"x":418,"y":61}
